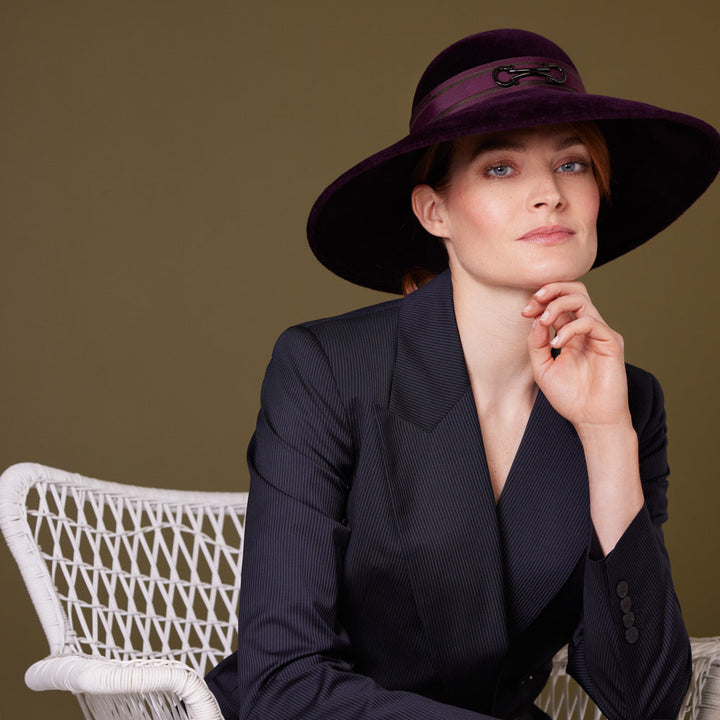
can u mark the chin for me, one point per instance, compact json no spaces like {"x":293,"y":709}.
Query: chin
{"x":559,"y":270}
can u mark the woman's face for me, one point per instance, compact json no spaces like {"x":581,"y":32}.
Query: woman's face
{"x":520,"y":209}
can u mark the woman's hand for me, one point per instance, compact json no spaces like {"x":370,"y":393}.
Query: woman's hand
{"x":586,"y":382}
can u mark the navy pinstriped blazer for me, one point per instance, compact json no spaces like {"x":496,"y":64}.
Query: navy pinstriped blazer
{"x":380,"y":580}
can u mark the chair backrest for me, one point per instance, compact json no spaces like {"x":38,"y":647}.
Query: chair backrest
{"x":118,"y":571}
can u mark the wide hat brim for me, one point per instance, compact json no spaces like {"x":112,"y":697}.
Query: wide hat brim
{"x":362,"y":227}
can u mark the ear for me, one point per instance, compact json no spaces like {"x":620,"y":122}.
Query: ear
{"x":427,"y":205}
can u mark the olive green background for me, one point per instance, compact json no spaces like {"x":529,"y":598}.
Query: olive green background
{"x":158,"y":163}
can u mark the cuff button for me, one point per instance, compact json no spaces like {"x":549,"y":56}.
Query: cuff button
{"x":631,"y":634}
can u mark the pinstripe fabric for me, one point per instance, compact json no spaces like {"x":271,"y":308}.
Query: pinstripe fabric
{"x":543,"y":517}
{"x":381,"y":581}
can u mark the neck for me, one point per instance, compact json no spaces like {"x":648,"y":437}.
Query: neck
{"x":494,"y":335}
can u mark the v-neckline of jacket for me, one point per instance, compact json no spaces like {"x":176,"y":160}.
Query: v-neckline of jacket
{"x":529,"y":424}
{"x":540,"y":525}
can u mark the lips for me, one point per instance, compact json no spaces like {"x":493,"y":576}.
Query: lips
{"x":548,"y":235}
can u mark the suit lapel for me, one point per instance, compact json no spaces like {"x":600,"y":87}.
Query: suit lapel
{"x":430,"y":372}
{"x":441,"y":492}
{"x":543,"y":514}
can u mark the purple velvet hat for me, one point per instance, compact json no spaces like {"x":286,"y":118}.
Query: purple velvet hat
{"x":362,"y":226}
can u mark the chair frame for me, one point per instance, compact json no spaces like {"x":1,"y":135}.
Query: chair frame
{"x":110,"y":678}
{"x":137,"y":594}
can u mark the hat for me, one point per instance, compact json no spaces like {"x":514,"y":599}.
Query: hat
{"x":362,"y":226}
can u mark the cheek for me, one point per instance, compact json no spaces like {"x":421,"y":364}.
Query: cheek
{"x":591,"y":203}
{"x":485,"y":214}
{"x":592,"y":206}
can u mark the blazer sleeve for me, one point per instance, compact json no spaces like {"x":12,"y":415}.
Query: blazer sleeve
{"x":294,"y":659}
{"x":631,"y":652}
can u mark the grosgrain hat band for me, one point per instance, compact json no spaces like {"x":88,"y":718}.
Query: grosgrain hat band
{"x":510,"y":75}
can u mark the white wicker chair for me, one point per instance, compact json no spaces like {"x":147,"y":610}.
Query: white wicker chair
{"x":137,"y":590}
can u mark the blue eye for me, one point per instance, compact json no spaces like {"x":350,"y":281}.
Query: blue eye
{"x":499,"y":170}
{"x":572,"y":166}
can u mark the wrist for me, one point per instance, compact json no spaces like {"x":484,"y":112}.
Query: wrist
{"x":619,"y":431}
{"x":616,"y":496}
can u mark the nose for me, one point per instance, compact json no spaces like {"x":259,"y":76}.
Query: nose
{"x":547,"y":193}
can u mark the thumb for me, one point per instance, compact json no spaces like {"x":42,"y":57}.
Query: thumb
{"x":539,"y":348}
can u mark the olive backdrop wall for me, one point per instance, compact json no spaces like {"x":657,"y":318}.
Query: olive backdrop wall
{"x":158,"y":162}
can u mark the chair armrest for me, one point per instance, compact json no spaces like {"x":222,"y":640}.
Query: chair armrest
{"x":139,"y":678}
{"x":702,"y":701}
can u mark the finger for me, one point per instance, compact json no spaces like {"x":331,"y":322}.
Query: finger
{"x":553,"y":290}
{"x":533,"y":308}
{"x":539,"y":348}
{"x":562,"y":320}
{"x":577,"y":304}
{"x":591,"y":329}
{"x":546,"y":294}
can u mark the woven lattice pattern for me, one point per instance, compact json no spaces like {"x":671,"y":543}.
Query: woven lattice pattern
{"x":132,"y":707}
{"x":141,"y":576}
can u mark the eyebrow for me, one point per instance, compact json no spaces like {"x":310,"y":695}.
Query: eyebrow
{"x":496,"y":144}
{"x":500,"y":143}
{"x":569,"y":141}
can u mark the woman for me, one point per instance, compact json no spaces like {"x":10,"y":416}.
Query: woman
{"x":442,"y":496}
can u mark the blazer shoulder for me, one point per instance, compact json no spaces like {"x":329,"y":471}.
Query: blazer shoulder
{"x":359,"y":347}
{"x":358,"y":323}
{"x":369,"y":330}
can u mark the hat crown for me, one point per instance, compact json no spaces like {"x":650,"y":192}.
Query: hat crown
{"x":481,"y":49}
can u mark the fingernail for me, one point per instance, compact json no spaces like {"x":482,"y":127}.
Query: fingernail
{"x":540,"y":292}
{"x":534,"y":322}
{"x":555,"y":341}
{"x":527,"y":308}
{"x":545,"y":315}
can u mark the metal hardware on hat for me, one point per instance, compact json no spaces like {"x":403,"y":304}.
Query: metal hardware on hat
{"x":516,"y":74}
{"x":477,"y":84}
